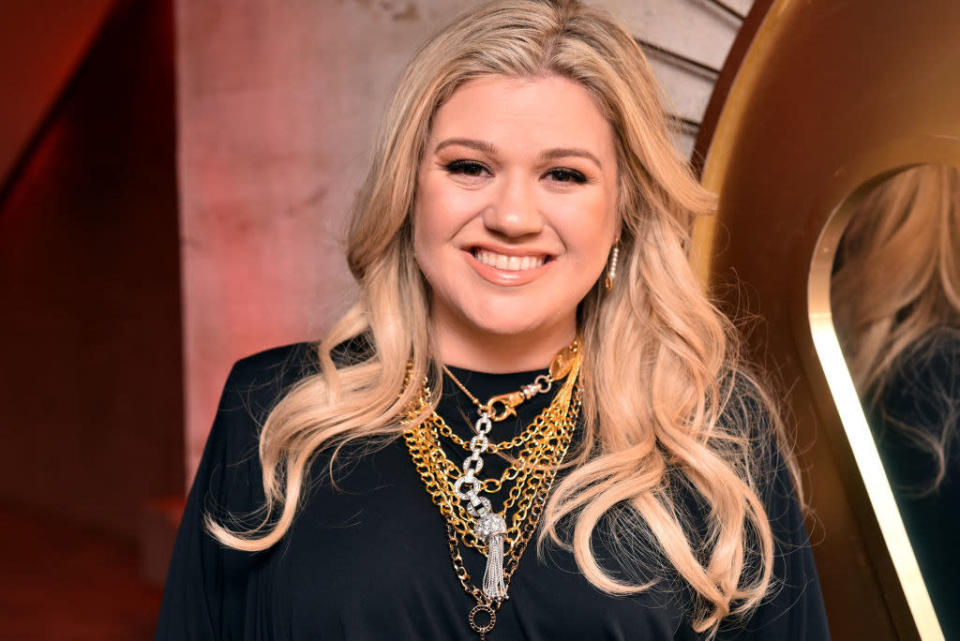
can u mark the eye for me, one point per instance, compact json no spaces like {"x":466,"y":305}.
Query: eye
{"x":466,"y":168}
{"x":567,"y":176}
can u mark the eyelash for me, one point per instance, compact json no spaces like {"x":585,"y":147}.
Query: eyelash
{"x":560,"y":174}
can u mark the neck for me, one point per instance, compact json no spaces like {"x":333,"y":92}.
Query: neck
{"x":502,"y":353}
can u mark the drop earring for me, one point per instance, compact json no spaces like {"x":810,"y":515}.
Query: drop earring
{"x":612,"y":268}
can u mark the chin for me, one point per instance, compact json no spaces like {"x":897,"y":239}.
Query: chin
{"x":507,"y":324}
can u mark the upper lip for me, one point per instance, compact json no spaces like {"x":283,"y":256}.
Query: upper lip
{"x":507,"y":251}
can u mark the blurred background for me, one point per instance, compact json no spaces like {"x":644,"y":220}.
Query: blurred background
{"x":173,"y":180}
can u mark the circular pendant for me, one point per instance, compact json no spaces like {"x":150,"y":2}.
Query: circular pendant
{"x":477,"y":626}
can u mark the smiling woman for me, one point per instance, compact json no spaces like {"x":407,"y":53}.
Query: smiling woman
{"x":526,"y":308}
{"x":515,"y":218}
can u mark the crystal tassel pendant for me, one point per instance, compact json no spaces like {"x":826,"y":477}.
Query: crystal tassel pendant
{"x":491,"y":528}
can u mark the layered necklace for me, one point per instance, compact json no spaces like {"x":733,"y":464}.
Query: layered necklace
{"x":535,"y":455}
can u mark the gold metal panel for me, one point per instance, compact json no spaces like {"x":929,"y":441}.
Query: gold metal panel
{"x":830,"y":94}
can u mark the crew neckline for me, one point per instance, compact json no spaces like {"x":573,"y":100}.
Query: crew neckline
{"x":474,"y":372}
{"x":485,"y":384}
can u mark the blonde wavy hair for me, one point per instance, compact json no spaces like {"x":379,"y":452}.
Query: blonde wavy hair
{"x":898,"y":282}
{"x":675,"y":409}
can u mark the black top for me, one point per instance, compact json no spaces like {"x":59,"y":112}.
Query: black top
{"x":921,"y":400}
{"x":368,"y":560}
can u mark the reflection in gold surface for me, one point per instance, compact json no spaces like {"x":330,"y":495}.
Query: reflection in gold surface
{"x":895,"y":302}
{"x":828,"y":96}
{"x":858,"y":434}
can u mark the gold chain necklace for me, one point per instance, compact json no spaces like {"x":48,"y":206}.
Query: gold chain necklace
{"x":456,"y":491}
{"x":560,"y":366}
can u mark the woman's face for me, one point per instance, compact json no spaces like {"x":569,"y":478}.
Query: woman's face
{"x":515,"y":212}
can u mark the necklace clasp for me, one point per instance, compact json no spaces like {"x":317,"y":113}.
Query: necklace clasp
{"x":508,"y":403}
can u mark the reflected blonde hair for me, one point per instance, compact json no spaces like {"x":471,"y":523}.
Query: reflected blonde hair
{"x":898,"y":281}
{"x":658,"y":416}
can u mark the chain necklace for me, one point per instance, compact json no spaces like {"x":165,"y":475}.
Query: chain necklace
{"x":469,"y":517}
{"x":531,"y":463}
{"x":560,"y":366}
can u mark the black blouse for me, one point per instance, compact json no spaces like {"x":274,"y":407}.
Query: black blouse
{"x":368,"y":559}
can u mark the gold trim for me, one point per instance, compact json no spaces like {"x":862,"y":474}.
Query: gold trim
{"x":820,"y":106}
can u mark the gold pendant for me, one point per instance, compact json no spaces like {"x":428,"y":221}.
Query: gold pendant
{"x":481,"y":628}
{"x":563,"y":362}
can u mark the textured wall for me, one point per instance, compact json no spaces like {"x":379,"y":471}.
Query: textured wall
{"x":278,"y":103}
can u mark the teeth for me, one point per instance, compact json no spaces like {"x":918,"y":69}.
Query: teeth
{"x":508,"y":263}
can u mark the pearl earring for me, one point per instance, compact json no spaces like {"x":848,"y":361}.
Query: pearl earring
{"x":612,"y":269}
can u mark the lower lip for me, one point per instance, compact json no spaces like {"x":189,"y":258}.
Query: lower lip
{"x":505,"y":277}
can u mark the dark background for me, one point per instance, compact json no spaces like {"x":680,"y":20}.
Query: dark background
{"x":91,"y":385}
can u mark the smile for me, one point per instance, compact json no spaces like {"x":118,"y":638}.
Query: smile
{"x":508,"y":263}
{"x":508,"y":270}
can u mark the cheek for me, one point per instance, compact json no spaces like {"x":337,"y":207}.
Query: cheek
{"x":590,"y":226}
{"x":438,"y":209}
{"x":432,"y":234}
{"x":427,"y":217}
{"x":424,"y":243}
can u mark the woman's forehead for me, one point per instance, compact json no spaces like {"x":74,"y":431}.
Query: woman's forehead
{"x":549,"y":111}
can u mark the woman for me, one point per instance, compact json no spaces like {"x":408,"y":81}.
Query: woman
{"x":526,"y":307}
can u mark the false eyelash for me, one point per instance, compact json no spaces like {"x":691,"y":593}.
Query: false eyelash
{"x":574,"y":175}
{"x":459,"y":165}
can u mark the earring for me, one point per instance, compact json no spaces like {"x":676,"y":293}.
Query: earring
{"x":612,"y":269}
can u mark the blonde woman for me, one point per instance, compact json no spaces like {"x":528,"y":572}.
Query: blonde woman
{"x":896,"y":306}
{"x":532,"y":425}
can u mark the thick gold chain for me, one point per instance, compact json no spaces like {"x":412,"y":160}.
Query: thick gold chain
{"x":529,"y":526}
{"x":513,"y":557}
{"x":542,"y":446}
{"x":536,"y":465}
{"x":542,"y":450}
{"x":531,"y":430}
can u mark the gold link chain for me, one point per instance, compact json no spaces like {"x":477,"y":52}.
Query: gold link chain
{"x":535,"y":458}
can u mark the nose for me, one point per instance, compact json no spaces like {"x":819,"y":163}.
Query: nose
{"x":513,"y":211}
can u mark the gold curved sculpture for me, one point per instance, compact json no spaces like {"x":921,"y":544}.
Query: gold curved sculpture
{"x":817,"y":99}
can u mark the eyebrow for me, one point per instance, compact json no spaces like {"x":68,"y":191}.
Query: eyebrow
{"x":486,"y":147}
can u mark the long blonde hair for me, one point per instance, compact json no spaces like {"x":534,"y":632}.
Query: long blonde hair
{"x":898,"y":283}
{"x":660,"y":360}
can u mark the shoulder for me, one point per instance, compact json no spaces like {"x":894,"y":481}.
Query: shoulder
{"x":257,"y":382}
{"x":230,"y":465}
{"x":272,"y":370}
{"x":277,"y":365}
{"x":353,"y":350}
{"x":749,"y":415}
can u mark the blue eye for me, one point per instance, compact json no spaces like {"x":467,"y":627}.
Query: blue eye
{"x":567,"y":176}
{"x":466,"y":168}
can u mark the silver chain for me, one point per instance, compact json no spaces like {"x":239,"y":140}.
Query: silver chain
{"x":472,"y":465}
{"x":490,"y":527}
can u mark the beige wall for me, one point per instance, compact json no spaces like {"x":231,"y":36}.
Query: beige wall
{"x":278,"y":103}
